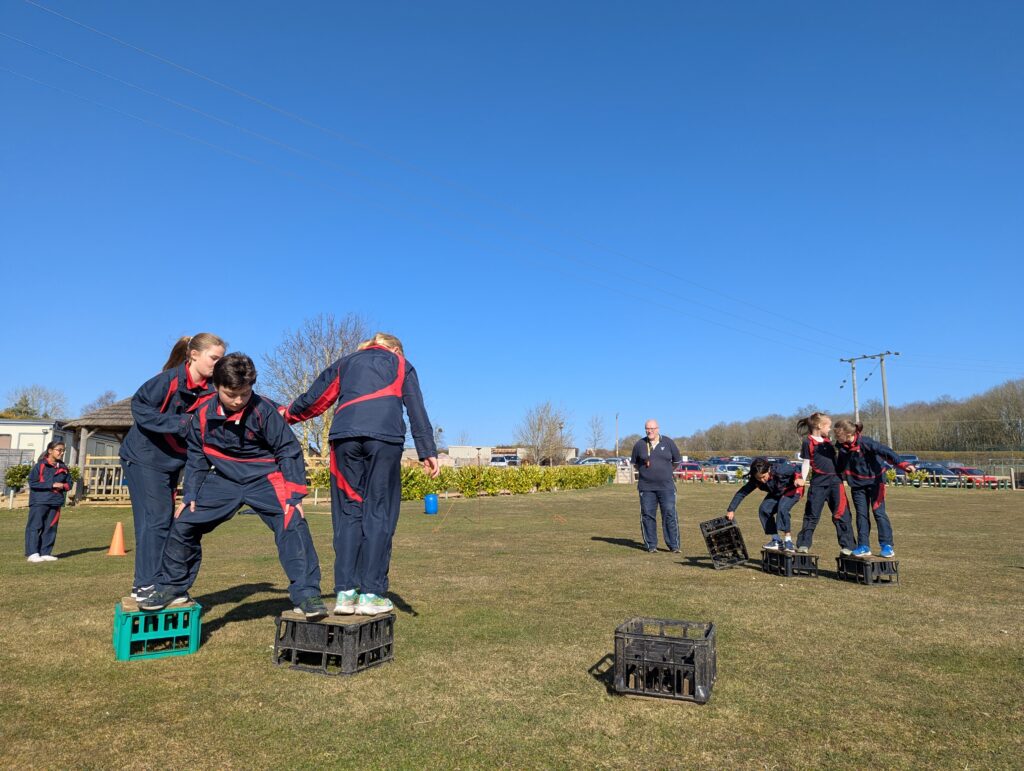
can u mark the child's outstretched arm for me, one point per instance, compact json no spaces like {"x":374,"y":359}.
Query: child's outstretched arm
{"x":321,"y":394}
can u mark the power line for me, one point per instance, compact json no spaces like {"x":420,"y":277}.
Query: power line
{"x":428,"y":174}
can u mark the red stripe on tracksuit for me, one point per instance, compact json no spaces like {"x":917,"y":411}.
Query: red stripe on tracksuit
{"x":325,"y":400}
{"x":395,"y":389}
{"x":880,"y":499}
{"x":56,"y":518}
{"x":343,"y":484}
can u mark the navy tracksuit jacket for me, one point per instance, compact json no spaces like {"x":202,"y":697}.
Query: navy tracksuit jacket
{"x":47,"y":485}
{"x":782,"y":496}
{"x":152,"y":456}
{"x":250,"y":457}
{"x":370,"y":388}
{"x":859,"y":465}
{"x":825,"y":486}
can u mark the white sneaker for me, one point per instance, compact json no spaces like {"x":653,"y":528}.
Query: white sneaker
{"x":34,"y":558}
{"x":48,"y":558}
{"x":346,"y":604}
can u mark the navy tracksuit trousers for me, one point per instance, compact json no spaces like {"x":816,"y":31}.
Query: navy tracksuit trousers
{"x":152,"y":493}
{"x":867,"y":500}
{"x":366,"y":495}
{"x":219,"y":500}
{"x":774,"y":513}
{"x":41,"y":529}
{"x":835,"y":496}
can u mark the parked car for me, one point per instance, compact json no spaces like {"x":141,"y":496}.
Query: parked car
{"x":689,"y":470}
{"x":938,"y":474}
{"x":744,"y":459}
{"x":591,"y":462}
{"x":911,"y":459}
{"x":730,"y":472}
{"x":973,"y":475}
{"x":504,"y":460}
{"x":617,"y":461}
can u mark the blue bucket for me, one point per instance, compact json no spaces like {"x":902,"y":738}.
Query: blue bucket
{"x":430,"y":504}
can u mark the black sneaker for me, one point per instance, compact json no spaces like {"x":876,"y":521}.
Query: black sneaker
{"x":312,"y":607}
{"x":163,"y":598}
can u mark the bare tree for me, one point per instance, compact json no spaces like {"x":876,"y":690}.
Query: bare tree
{"x":291,"y":367}
{"x":45,"y":402}
{"x":105,"y":399}
{"x":545,"y":433}
{"x":463,"y":438}
{"x":597,"y":435}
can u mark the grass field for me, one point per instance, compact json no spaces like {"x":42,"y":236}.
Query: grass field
{"x":504,"y":604}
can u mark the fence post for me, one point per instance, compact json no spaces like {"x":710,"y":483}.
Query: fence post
{"x":1013,"y":479}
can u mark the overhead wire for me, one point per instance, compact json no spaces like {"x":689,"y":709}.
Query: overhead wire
{"x":391,"y":158}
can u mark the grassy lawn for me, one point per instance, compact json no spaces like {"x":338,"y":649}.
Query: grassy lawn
{"x":504,"y":604}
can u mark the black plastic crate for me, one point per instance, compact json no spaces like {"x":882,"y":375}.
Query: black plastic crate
{"x":869,"y":571}
{"x":336,"y":645}
{"x":665,"y":659}
{"x":789,"y":564}
{"x":725,"y":542}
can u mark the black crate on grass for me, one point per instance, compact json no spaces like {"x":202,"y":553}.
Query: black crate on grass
{"x":665,"y":659}
{"x":724,"y":542}
{"x":789,"y":564}
{"x":870,"y":571}
{"x":336,"y":645}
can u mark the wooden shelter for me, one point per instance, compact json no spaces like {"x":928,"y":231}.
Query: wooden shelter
{"x":101,"y":474}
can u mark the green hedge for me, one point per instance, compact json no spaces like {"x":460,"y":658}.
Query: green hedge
{"x":471,"y":481}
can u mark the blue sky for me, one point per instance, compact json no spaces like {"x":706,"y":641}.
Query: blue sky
{"x":682,"y":210}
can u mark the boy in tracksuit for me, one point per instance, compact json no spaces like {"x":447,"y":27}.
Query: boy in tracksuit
{"x":818,"y":456}
{"x":48,"y":481}
{"x":370,"y":387}
{"x":240,"y":451}
{"x":779,"y":481}
{"x":859,"y":464}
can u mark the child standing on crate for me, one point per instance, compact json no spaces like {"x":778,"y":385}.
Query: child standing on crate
{"x":240,"y":451}
{"x":779,"y":480}
{"x":818,"y":457}
{"x":859,"y":464}
{"x":48,"y":481}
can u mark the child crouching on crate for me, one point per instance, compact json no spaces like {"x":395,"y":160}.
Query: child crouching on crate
{"x":859,"y":464}
{"x":779,"y":480}
{"x":240,"y":450}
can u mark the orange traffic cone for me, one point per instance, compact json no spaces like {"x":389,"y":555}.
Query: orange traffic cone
{"x":117,"y":543}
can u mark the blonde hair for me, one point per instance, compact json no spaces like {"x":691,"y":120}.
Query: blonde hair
{"x":811,"y":423}
{"x":847,"y":427}
{"x":182,"y":349}
{"x":384,"y":340}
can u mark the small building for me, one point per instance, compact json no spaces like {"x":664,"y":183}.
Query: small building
{"x":101,"y":433}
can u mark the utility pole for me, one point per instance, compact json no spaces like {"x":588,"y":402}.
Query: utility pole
{"x":616,"y":434}
{"x":885,"y":390}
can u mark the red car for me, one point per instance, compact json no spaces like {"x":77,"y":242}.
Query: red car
{"x":689,"y":470}
{"x":974,"y":475}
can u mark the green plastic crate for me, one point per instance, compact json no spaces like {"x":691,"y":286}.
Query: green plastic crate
{"x":142,"y":634}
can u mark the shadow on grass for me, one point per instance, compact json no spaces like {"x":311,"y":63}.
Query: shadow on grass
{"x":621,"y":542}
{"x":401,"y":604}
{"x":604,"y":672}
{"x":76,"y":552}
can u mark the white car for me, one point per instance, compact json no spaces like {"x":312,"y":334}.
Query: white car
{"x":730,"y":472}
{"x":591,"y":462}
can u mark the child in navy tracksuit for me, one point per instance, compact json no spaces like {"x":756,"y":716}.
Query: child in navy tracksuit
{"x":779,"y":480}
{"x":240,"y":451}
{"x":153,"y":452}
{"x":819,"y":456}
{"x":367,"y":435}
{"x":48,"y":481}
{"x":859,"y":464}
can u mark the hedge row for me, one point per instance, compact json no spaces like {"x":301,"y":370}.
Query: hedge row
{"x":471,"y":481}
{"x":16,"y":477}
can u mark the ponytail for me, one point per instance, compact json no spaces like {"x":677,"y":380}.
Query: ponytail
{"x":181,"y":350}
{"x":50,"y":446}
{"x":811,"y":423}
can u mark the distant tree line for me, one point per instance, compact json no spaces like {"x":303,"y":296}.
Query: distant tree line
{"x":991,"y":421}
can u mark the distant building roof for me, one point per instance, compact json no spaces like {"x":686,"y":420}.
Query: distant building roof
{"x":116,"y":417}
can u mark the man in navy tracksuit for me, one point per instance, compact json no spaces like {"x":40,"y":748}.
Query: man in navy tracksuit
{"x":48,"y":482}
{"x":152,"y":456}
{"x":655,"y":457}
{"x":819,"y":457}
{"x":859,"y":464}
{"x":240,"y":451}
{"x":367,"y":435}
{"x":779,"y":481}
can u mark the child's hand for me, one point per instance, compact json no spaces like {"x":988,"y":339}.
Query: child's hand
{"x":181,"y":508}
{"x":729,"y":515}
{"x":800,"y":482}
